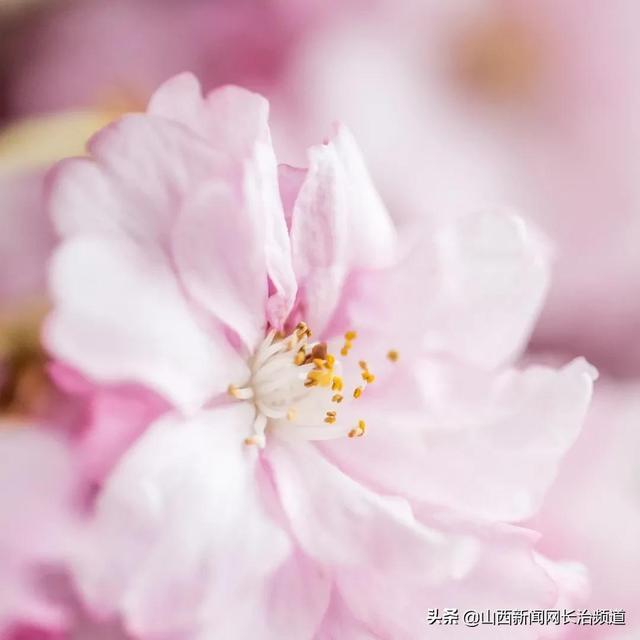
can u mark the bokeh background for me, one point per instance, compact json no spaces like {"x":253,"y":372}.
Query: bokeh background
{"x":459,"y":105}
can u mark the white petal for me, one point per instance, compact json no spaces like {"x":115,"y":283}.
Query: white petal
{"x":121,"y":317}
{"x":182,"y":528}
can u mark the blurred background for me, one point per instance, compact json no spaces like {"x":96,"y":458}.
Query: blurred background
{"x":459,"y":105}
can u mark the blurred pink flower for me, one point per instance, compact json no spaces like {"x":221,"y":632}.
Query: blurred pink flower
{"x":293,"y":480}
{"x":87,"y":54}
{"x":532,"y":103}
{"x":26,"y":237}
{"x":37,"y":493}
{"x":28,"y":148}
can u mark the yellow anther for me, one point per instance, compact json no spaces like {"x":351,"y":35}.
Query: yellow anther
{"x":310,"y":382}
{"x":300,"y":357}
{"x":345,"y":350}
{"x":291,"y":414}
{"x":368,"y":377}
{"x":337,"y":384}
{"x":319,"y":363}
{"x":363,"y":365}
{"x":251,"y":440}
{"x":232,"y":390}
{"x":337,"y":397}
{"x":302,"y":330}
{"x":350,"y":335}
{"x":330,"y":360}
{"x":393,"y":355}
{"x":330,"y":417}
{"x":357,"y":392}
{"x":321,"y":377}
{"x":319,"y":350}
{"x":359,"y":431}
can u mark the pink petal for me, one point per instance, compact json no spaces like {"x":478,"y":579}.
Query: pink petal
{"x":495,"y":273}
{"x":502,"y":458}
{"x":289,"y":604}
{"x":231,"y":119}
{"x":571,"y":579}
{"x":371,"y":232}
{"x":319,"y":237}
{"x":121,"y":317}
{"x":505,"y":576}
{"x":234,"y":121}
{"x":339,"y":622}
{"x":341,"y":523}
{"x":470,"y":289}
{"x":182,"y":529}
{"x":290,"y":180}
{"x":141,"y":169}
{"x":595,"y":500}
{"x":338,"y":225}
{"x":117,"y":417}
{"x":221,"y":260}
{"x":265,"y":207}
{"x":486,"y":446}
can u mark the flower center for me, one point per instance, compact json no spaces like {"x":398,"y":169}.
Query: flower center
{"x":296,"y":387}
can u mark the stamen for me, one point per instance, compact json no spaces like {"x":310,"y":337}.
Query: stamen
{"x":319,"y":351}
{"x":244,"y":393}
{"x":330,"y":417}
{"x":302,"y":330}
{"x":359,"y":431}
{"x":393,"y":355}
{"x":285,"y":370}
{"x":349,"y":337}
{"x":322,"y":373}
{"x":258,"y":437}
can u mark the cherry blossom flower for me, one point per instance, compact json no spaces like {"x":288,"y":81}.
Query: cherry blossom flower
{"x":347,"y":442}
